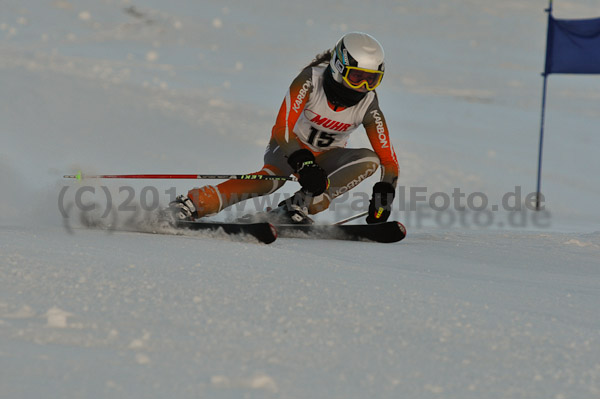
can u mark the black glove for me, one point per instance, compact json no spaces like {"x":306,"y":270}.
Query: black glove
{"x":312,"y":177}
{"x":380,"y":206}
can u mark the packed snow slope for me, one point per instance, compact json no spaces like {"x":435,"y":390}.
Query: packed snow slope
{"x":472,"y":304}
{"x":453,"y":315}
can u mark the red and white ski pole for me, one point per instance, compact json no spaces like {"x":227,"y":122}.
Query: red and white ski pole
{"x":80,"y":176}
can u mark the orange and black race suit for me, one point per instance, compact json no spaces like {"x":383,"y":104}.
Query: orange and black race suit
{"x":307,"y":120}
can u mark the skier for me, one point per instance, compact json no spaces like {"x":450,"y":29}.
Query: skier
{"x":326,"y":102}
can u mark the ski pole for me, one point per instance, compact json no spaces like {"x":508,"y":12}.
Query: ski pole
{"x":80,"y":176}
{"x":352,"y":218}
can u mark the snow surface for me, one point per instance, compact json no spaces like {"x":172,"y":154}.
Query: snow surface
{"x":116,"y":86}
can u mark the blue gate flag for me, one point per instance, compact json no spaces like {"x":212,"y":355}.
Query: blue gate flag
{"x":573,"y":46}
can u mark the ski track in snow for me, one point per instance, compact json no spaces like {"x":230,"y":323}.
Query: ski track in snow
{"x":121,"y":87}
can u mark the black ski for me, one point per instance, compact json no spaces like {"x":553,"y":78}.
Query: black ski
{"x":263,"y":232}
{"x":387,"y":232}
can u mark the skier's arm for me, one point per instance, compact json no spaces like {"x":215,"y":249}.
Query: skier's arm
{"x":379,"y":136}
{"x":380,"y":206}
{"x":291,"y":109}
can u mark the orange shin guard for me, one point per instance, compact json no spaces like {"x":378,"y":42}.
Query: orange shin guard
{"x":210,"y":199}
{"x":206,"y":200}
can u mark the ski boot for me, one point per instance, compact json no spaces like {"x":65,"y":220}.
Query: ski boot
{"x":291,"y":211}
{"x":287,"y":212}
{"x":182,"y":209}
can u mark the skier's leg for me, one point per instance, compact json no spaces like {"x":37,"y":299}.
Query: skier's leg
{"x":210,"y":200}
{"x":346,"y":169}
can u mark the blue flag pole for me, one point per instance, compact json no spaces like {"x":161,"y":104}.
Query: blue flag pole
{"x":543,"y":117}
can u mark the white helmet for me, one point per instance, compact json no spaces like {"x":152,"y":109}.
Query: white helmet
{"x":358,"y":59}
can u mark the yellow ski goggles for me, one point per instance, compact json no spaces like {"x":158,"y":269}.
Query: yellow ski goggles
{"x":357,"y":77}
